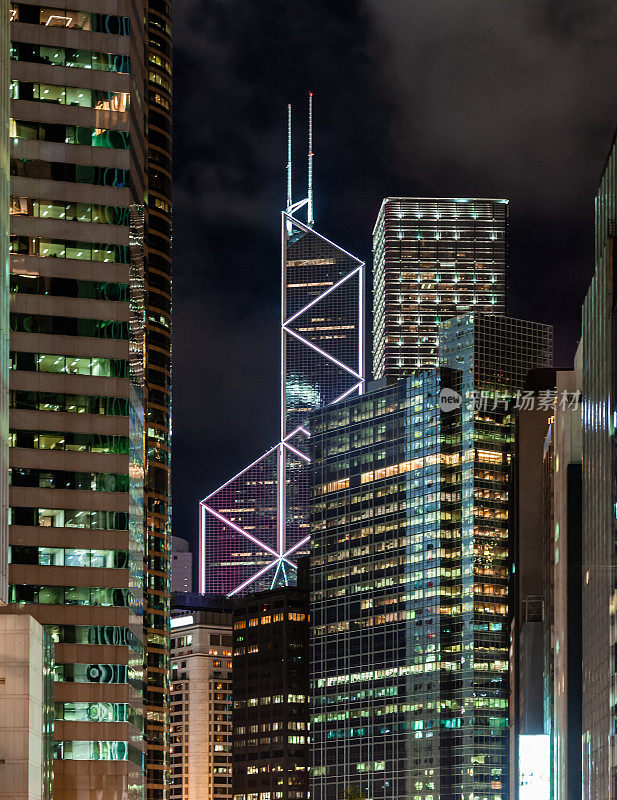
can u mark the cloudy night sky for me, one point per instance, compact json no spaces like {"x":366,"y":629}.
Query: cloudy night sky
{"x":454,"y":98}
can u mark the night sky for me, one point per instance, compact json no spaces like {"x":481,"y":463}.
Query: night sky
{"x":454,"y":98}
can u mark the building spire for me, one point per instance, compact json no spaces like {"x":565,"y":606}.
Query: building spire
{"x":289,"y":195}
{"x":310,"y":218}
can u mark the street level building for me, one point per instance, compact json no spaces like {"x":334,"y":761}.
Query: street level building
{"x":433,"y":258}
{"x":270,"y":694}
{"x":201,"y":661}
{"x":26,"y":709}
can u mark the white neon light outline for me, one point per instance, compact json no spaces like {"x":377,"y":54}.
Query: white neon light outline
{"x":297,"y":452}
{"x":323,"y":353}
{"x":358,"y":385}
{"x":254,"y":577}
{"x":288,"y":221}
{"x":293,"y":549}
{"x":299,"y":429}
{"x":285,"y":232}
{"x":322,"y":295}
{"x":281,"y":505}
{"x":237,"y":475}
{"x":306,"y":228}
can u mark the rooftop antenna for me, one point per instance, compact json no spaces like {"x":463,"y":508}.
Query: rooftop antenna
{"x":310,"y":219}
{"x":289,"y":200}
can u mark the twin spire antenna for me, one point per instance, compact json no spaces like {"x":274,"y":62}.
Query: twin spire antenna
{"x":309,"y":199}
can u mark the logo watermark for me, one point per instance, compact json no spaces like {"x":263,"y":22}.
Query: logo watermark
{"x":449,"y":400}
{"x":545,"y":400}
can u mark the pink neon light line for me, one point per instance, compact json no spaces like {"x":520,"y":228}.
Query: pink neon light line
{"x":237,"y":528}
{"x":202,"y":549}
{"x":348,"y":392}
{"x":296,"y":546}
{"x":299,"y":429}
{"x":297,"y":452}
{"x":246,"y":469}
{"x":324,"y":354}
{"x":254,"y":577}
{"x":322,"y":295}
{"x":281,"y":505}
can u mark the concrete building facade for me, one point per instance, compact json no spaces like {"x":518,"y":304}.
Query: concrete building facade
{"x":201,"y":664}
{"x":27,"y":710}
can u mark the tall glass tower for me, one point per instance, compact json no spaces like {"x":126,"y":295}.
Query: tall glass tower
{"x":434,"y":258}
{"x":253,"y":528}
{"x":410,"y":552}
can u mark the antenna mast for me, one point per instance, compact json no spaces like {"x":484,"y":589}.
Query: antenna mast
{"x":289,"y":198}
{"x":310,"y":162}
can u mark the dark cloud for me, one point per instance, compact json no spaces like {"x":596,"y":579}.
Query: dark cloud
{"x":504,"y":98}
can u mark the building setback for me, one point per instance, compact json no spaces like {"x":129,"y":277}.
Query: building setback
{"x":77,"y":384}
{"x":201,"y":647}
{"x":433,"y":258}
{"x":270,"y":694}
{"x":409,"y":596}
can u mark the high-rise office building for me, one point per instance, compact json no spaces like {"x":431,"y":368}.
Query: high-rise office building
{"x":254,"y":527}
{"x":181,"y":565}
{"x":157,"y":411}
{"x":434,"y":258}
{"x":271,"y":694}
{"x":410,"y":553}
{"x":201,"y":660}
{"x":599,"y":557}
{"x":90,"y":378}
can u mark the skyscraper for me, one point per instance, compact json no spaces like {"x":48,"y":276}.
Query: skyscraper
{"x":157,"y":412}
{"x":253,"y":528}
{"x":82,"y":278}
{"x":434,"y":258}
{"x":599,"y":612}
{"x":410,"y":572}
